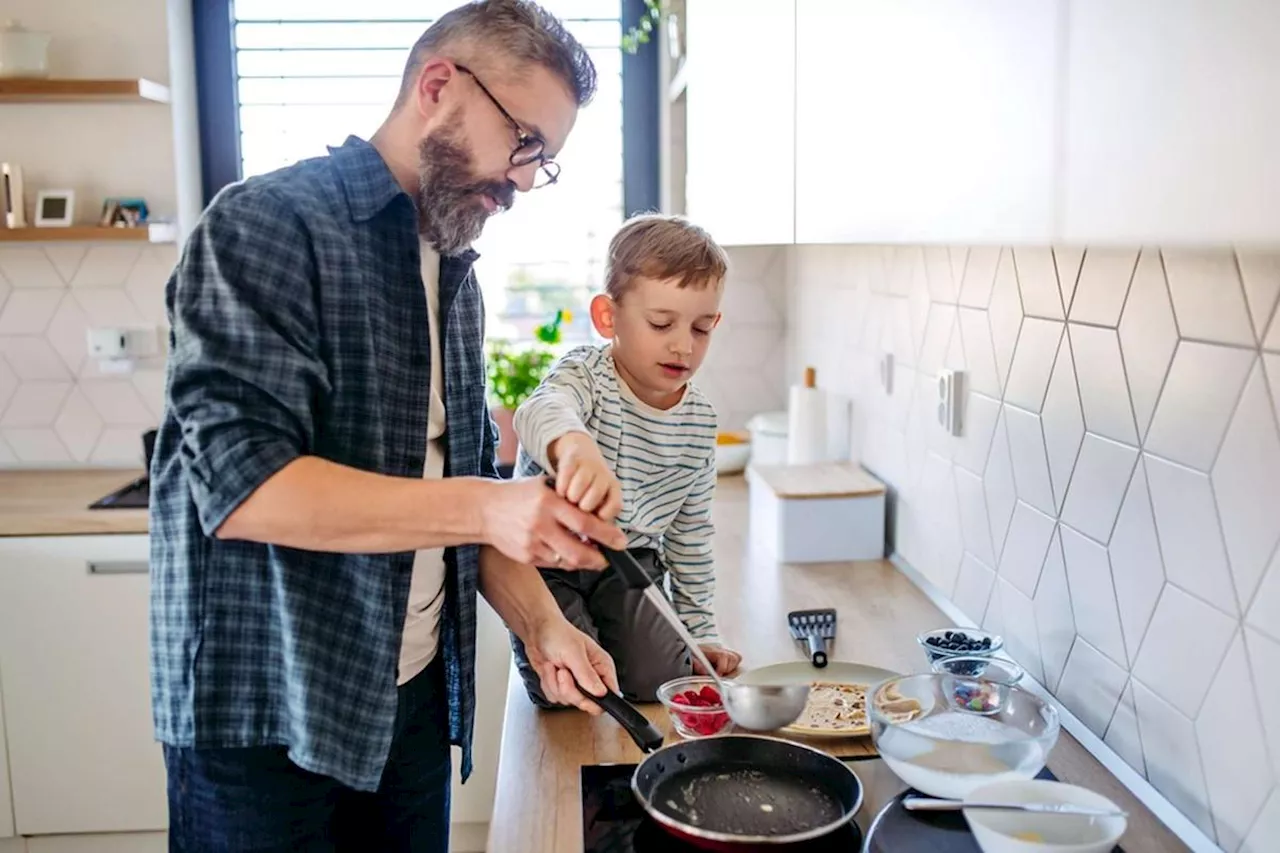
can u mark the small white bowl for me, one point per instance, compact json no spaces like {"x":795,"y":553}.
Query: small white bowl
{"x":733,"y":458}
{"x":997,"y":831}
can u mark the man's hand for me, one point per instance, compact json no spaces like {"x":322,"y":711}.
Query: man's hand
{"x":583,"y":477}
{"x":561,"y":654}
{"x":726,"y":661}
{"x":531,"y":524}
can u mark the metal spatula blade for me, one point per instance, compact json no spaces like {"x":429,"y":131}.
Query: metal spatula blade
{"x":814,"y":627}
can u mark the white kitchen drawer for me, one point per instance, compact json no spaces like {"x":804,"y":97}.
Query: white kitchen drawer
{"x":6,"y":800}
{"x":74,"y":658}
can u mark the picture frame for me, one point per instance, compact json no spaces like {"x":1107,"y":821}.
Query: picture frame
{"x":124,"y":213}
{"x":55,"y":208}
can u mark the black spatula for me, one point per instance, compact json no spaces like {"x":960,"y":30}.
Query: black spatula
{"x":814,"y":627}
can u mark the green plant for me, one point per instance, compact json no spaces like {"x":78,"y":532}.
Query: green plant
{"x":643,"y":30}
{"x":516,"y":369}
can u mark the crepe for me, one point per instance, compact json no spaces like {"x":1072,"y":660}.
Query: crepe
{"x":836,"y":708}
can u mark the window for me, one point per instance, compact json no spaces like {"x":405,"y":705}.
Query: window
{"x":282,"y":79}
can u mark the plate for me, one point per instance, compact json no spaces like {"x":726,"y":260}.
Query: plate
{"x":803,"y":672}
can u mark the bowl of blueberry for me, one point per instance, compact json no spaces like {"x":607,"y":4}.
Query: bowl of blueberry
{"x":959,"y":642}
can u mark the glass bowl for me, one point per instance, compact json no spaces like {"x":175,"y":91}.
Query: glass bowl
{"x":978,"y":684}
{"x":924,"y":730}
{"x":693,"y":720}
{"x":935,"y":643}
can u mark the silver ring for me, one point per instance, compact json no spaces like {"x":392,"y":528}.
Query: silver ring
{"x":559,"y":560}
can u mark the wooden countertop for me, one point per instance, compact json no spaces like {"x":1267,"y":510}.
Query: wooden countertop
{"x":538,"y":808}
{"x":56,"y":503}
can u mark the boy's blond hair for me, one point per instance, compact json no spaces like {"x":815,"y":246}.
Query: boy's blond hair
{"x":663,"y":247}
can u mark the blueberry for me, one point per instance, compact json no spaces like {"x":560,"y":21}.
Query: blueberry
{"x":986,"y":642}
{"x":950,"y":635}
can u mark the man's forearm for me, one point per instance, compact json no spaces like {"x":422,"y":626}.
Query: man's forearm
{"x":516,"y":592}
{"x":318,"y":505}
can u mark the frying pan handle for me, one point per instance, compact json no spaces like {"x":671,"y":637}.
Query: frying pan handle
{"x":637,"y":725}
{"x":818,"y":650}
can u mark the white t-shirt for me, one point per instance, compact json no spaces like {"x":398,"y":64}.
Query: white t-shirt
{"x":426,"y":591}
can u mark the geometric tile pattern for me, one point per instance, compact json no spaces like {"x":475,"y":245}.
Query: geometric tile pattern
{"x":55,"y":406}
{"x":1116,"y":482}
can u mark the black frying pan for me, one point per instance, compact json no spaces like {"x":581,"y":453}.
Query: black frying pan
{"x":740,"y":792}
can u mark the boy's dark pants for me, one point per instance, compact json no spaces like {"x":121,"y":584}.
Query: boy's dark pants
{"x":645,"y":649}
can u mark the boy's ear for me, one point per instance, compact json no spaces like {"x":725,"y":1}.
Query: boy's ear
{"x":603,"y":315}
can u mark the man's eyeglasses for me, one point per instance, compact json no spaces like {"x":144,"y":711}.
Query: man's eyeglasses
{"x":529,"y":146}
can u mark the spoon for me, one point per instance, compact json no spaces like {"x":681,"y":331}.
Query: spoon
{"x":926,"y":804}
{"x":757,"y":707}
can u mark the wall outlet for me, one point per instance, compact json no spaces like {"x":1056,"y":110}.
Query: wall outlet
{"x":886,"y":372}
{"x":950,"y":396}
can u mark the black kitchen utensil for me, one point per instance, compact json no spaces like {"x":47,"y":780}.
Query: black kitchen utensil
{"x":732,"y":792}
{"x":643,"y":732}
{"x":814,"y":627}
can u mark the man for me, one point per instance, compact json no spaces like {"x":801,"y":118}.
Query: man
{"x":324,"y":504}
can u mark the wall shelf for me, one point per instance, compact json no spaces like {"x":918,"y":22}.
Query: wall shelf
{"x":36,"y":91}
{"x":154,"y":233}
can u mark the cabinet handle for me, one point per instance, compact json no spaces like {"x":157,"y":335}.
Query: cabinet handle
{"x":119,"y":567}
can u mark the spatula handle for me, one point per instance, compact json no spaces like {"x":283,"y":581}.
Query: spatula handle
{"x":817,"y":650}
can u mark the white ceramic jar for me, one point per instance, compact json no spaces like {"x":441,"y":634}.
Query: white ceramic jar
{"x":23,"y":53}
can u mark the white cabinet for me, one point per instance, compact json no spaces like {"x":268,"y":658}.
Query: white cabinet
{"x":1173,"y":121}
{"x":919,"y":121}
{"x":74,"y":659}
{"x":740,"y":132}
{"x":6,"y":802}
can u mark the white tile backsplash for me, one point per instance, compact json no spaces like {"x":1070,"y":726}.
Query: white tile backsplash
{"x":1098,"y":485}
{"x":1148,"y":337}
{"x":1091,"y":686}
{"x":1122,"y":733}
{"x":1183,"y":649}
{"x":1237,"y":773}
{"x":1025,"y":548}
{"x":1093,"y":598}
{"x":1102,"y":286}
{"x":1030,"y":462}
{"x":1103,"y":393}
{"x":1164,"y":539}
{"x":1038,"y":282}
{"x":1195,"y":557}
{"x":1195,"y":407}
{"x":1005,"y":314}
{"x":1246,"y":484}
{"x":56,"y":408}
{"x":1208,"y":299}
{"x":1033,"y":363}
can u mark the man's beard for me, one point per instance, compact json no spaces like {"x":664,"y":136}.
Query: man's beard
{"x":451,"y":212}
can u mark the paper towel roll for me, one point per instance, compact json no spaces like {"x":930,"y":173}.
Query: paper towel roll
{"x":807,"y":422}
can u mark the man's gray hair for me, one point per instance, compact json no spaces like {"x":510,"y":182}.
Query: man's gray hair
{"x":518,"y":31}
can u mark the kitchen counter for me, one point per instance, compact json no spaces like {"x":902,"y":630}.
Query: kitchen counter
{"x":56,"y":503}
{"x":538,"y":808}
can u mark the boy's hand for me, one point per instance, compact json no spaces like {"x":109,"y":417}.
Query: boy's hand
{"x":726,"y":661}
{"x":583,"y":477}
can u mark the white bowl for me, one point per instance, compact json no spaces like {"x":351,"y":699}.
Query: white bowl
{"x":732,"y":458}
{"x":997,"y":831}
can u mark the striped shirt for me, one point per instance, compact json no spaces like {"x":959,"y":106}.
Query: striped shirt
{"x":664,"y":459}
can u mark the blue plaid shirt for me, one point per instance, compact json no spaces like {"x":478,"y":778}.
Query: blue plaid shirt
{"x":299,"y":327}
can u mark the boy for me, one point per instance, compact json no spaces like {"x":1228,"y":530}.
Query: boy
{"x":629,"y":438}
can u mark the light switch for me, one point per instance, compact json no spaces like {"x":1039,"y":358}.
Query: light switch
{"x":950,"y":397}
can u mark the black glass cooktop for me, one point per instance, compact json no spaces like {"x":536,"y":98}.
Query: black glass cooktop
{"x":614,"y":822}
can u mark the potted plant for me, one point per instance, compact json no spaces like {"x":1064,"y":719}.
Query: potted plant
{"x":514,"y":372}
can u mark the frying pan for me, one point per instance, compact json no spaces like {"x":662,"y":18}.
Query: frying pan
{"x":746,"y":792}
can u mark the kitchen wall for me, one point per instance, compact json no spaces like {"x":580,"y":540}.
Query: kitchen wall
{"x":744,"y":373}
{"x":1112,"y":506}
{"x":56,"y":407}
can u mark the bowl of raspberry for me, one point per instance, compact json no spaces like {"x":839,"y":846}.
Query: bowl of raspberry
{"x":695,"y":707}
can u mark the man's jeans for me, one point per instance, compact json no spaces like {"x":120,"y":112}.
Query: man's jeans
{"x":255,"y":800}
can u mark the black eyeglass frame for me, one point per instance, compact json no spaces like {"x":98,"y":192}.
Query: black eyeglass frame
{"x":529,"y":146}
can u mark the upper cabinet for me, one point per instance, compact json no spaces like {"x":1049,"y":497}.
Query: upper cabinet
{"x":984,"y":121}
{"x":1173,"y":121}
{"x":919,"y":121}
{"x":740,"y":125}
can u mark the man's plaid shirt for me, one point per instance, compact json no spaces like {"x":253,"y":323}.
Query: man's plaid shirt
{"x":299,"y":327}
